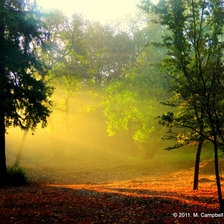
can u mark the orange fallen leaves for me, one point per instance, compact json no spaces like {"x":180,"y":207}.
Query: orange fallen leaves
{"x":142,"y":200}
{"x":173,"y":187}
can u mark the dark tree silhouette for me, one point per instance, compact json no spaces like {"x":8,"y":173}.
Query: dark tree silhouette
{"x":24,"y":97}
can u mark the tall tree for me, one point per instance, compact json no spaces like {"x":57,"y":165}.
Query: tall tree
{"x":195,"y":63}
{"x":24,"y":97}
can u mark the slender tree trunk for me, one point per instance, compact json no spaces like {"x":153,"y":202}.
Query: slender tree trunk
{"x":67,"y":108}
{"x":197,"y":162}
{"x":2,"y":148}
{"x":19,"y":153}
{"x":221,"y":201}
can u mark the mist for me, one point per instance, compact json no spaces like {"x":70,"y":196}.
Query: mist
{"x":75,"y":147}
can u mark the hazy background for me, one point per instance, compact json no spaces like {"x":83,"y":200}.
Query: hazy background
{"x":75,"y":148}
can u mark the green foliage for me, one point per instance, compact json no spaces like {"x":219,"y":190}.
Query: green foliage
{"x":132,"y":102}
{"x":124,"y":110}
{"x":84,"y":53}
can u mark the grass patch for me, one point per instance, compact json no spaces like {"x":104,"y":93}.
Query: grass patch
{"x":15,"y":176}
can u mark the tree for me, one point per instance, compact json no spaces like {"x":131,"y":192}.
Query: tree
{"x":24,"y":97}
{"x":131,"y":105}
{"x":195,"y":63}
{"x":71,"y":67}
{"x":109,"y":52}
{"x":177,"y":122}
{"x":133,"y":101}
{"x":56,"y":24}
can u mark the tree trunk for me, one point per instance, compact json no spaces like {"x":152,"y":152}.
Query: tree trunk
{"x":67,"y":108}
{"x":197,"y":162}
{"x":18,"y":156}
{"x":221,"y":201}
{"x":2,"y":88}
{"x":2,"y":148}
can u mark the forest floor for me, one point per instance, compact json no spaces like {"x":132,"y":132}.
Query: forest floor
{"x":147,"y":198}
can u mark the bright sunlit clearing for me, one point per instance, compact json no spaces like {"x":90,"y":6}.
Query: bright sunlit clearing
{"x":103,"y":11}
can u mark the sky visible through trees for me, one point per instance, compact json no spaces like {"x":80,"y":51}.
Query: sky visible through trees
{"x":98,"y":10}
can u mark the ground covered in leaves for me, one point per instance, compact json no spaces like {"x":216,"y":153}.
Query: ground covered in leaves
{"x":144,"y":199}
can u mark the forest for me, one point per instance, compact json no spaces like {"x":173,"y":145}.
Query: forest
{"x":118,"y":123}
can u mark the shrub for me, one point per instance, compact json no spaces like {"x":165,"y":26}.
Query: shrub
{"x":15,"y":176}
